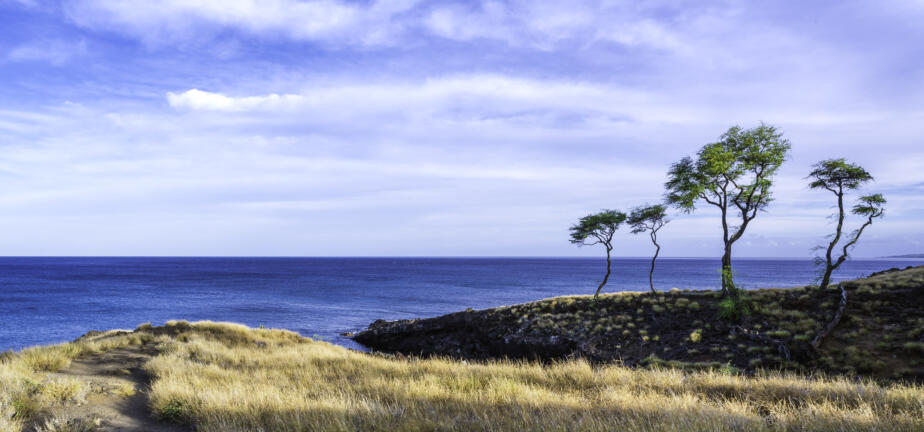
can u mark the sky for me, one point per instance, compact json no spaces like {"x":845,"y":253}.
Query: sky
{"x":439,"y":128}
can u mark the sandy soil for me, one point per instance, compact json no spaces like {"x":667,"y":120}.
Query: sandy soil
{"x":117,"y":399}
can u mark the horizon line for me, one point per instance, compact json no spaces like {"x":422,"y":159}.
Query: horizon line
{"x":443,"y":256}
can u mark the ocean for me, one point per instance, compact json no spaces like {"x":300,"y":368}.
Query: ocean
{"x":49,"y":300}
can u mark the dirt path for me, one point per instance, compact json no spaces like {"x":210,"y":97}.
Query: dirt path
{"x":117,"y":397}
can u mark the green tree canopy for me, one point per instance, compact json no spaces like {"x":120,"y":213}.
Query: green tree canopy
{"x":598,"y":228}
{"x":871,"y":206}
{"x":734,"y":174}
{"x":837,"y":175}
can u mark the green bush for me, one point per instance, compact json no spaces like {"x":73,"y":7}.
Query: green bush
{"x":915,"y":346}
{"x":734,"y":307}
{"x":175,"y":411}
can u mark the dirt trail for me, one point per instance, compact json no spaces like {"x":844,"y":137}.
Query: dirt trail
{"x":117,"y":394}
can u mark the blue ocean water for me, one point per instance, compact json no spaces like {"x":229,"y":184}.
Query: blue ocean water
{"x":47,"y":300}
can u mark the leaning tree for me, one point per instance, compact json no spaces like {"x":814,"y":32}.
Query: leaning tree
{"x":735,"y":175}
{"x":598,"y":228}
{"x":839,"y":177}
{"x":650,"y":218}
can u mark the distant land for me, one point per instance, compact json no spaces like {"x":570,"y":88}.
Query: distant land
{"x":920,"y":255}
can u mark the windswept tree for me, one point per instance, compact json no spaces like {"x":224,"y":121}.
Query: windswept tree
{"x":735,"y":175}
{"x":649,"y":218}
{"x":839,"y":177}
{"x":596,"y":229}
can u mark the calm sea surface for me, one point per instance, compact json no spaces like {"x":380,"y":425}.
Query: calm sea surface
{"x":46,"y":300}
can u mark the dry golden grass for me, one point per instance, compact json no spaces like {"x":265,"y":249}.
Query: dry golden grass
{"x":226,"y":377}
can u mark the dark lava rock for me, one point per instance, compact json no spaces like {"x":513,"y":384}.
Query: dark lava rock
{"x":469,"y":334}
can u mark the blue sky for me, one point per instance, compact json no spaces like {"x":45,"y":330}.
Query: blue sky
{"x":283,"y":127}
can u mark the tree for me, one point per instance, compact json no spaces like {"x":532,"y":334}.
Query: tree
{"x":595,"y":229}
{"x":735,"y":175}
{"x":649,"y":218}
{"x":838,"y":177}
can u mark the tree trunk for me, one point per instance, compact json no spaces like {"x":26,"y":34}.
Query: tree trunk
{"x":605,"y":278}
{"x":651,"y":272}
{"x":726,"y":256}
{"x":727,"y":282}
{"x":816,"y":343}
{"x":829,"y":262}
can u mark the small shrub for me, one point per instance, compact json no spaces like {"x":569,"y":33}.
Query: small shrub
{"x":779,"y":334}
{"x":124,"y":389}
{"x":62,"y":390}
{"x":734,"y":307}
{"x":24,"y":407}
{"x":176,"y":411}
{"x":45,"y":360}
{"x":914,"y":346}
{"x":728,"y":369}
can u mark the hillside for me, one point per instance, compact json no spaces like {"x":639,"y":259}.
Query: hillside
{"x":219,"y":377}
{"x":881,"y":333}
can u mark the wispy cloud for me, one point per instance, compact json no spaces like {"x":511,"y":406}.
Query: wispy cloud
{"x":403,"y":127}
{"x":169,"y":21}
{"x":53,"y":51}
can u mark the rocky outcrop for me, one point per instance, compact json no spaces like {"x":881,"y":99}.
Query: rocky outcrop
{"x":881,"y":333}
{"x":469,"y":334}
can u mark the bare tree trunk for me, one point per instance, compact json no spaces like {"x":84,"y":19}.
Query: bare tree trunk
{"x":837,"y":318}
{"x":829,"y":263}
{"x":727,"y":283}
{"x":605,"y":278}
{"x":654,"y":240}
{"x":726,"y":256}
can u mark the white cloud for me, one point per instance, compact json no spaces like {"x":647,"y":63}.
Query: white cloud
{"x":202,"y":100}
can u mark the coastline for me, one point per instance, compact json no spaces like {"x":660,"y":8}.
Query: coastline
{"x":682,"y":329}
{"x":48,"y":300}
